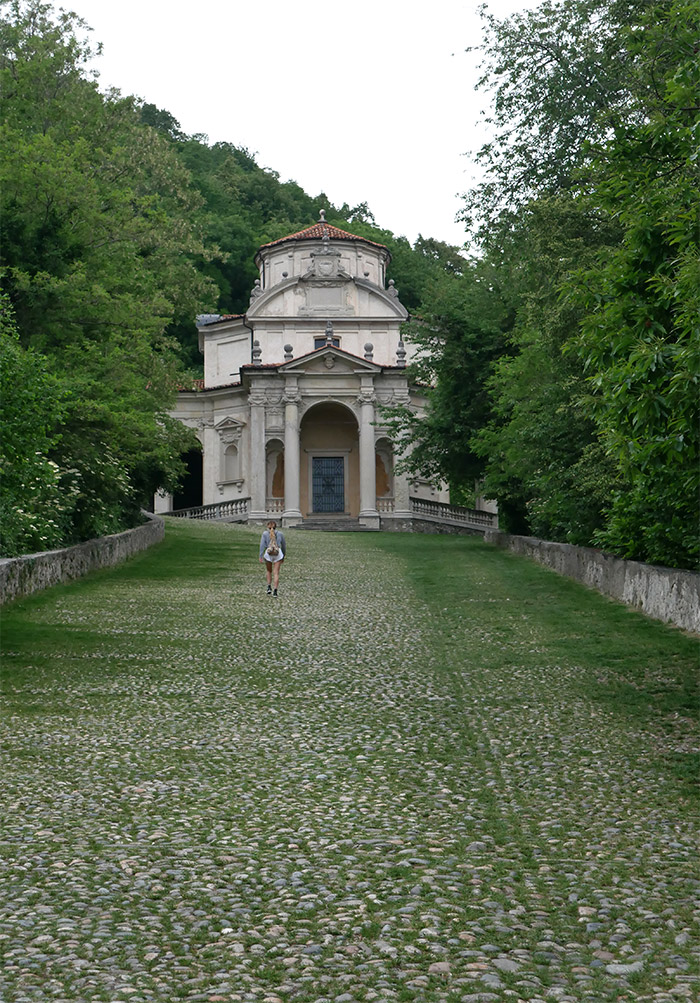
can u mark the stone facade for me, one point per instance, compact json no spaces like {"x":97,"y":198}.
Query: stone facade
{"x":289,"y":411}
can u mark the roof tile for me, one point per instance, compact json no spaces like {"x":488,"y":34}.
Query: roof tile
{"x":320,"y":230}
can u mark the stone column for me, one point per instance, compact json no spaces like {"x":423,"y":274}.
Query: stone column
{"x":292,"y":513}
{"x":368,"y":477}
{"x":257,"y":472}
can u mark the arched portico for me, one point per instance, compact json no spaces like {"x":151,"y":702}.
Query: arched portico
{"x":329,"y":461}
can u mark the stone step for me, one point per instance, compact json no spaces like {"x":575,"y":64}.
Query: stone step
{"x":332,"y":525}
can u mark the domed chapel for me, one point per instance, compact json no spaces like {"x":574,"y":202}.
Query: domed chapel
{"x":289,"y":411}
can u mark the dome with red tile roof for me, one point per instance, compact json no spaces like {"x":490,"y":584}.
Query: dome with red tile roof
{"x":320,"y":230}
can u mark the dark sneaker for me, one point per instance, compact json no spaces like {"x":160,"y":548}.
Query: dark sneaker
{"x":269,"y":590}
{"x":274,"y":594}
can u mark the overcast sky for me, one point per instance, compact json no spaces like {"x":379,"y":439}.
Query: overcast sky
{"x":369,"y":102}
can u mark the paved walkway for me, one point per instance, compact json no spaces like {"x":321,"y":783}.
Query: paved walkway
{"x":359,"y":792}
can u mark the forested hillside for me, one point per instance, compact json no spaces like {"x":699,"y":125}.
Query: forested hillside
{"x":563,"y":346}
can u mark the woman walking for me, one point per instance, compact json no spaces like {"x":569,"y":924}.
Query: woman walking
{"x":273,"y":547}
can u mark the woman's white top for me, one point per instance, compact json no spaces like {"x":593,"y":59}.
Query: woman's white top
{"x":273,"y":558}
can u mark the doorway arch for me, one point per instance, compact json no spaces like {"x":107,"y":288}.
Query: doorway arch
{"x":189,"y":492}
{"x":329,"y":462}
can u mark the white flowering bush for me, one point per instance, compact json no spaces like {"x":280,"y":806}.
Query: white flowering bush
{"x":96,"y":494}
{"x":33,"y":510}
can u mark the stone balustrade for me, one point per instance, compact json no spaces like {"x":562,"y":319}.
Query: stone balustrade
{"x":422,"y":508}
{"x":234,"y":510}
{"x":452,"y":518}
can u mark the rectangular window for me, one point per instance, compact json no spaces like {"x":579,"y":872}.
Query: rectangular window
{"x":320,"y":342}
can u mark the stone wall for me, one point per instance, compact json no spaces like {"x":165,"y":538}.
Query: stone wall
{"x":20,"y":576}
{"x":662,"y":593}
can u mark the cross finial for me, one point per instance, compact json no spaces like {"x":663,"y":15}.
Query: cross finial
{"x":322,"y":216}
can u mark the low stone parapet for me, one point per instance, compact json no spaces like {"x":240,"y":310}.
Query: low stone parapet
{"x":21,"y":576}
{"x":662,"y":593}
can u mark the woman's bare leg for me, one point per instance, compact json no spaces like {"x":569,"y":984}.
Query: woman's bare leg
{"x":276,"y":574}
{"x":268,"y":572}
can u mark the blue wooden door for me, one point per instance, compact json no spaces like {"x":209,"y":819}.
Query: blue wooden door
{"x":328,"y":483}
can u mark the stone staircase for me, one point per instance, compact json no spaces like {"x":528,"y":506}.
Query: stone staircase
{"x":335,"y":524}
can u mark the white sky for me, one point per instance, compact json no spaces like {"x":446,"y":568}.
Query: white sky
{"x":370,"y":102}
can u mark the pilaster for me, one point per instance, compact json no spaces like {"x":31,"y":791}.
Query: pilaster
{"x":292,"y":512}
{"x":368,"y":483}
{"x":258,"y":508}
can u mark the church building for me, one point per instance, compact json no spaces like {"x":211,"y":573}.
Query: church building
{"x":289,"y":413}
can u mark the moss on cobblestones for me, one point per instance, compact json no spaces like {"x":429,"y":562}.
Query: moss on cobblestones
{"x":431,"y":771}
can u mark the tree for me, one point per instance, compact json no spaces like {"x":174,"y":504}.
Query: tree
{"x":640,"y":337}
{"x":459,"y":331}
{"x":33,"y":508}
{"x":588,"y":217}
{"x":540,"y":449}
{"x":98,"y":259}
{"x":559,"y":77}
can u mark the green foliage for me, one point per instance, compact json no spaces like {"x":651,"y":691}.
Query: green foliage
{"x":98,"y":259}
{"x":588,"y":220}
{"x":640,"y":337}
{"x":540,"y":445}
{"x":32,"y":505}
{"x":559,"y":78}
{"x":118,"y":228}
{"x":459,"y":332}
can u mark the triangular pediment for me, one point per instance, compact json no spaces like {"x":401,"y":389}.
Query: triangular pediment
{"x":228,"y":423}
{"x":329,"y":359}
{"x":229,"y":430}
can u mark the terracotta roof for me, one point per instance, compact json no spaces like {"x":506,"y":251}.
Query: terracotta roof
{"x":197,"y":386}
{"x":218,"y":318}
{"x":320,"y":230}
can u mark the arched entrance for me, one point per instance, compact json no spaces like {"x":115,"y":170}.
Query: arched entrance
{"x":189,"y":494}
{"x":329,"y":462}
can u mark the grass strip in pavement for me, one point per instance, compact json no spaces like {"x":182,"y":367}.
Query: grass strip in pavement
{"x":417,"y":775}
{"x":634,"y":666}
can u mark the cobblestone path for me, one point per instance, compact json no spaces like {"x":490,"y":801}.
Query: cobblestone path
{"x":353,"y":793}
